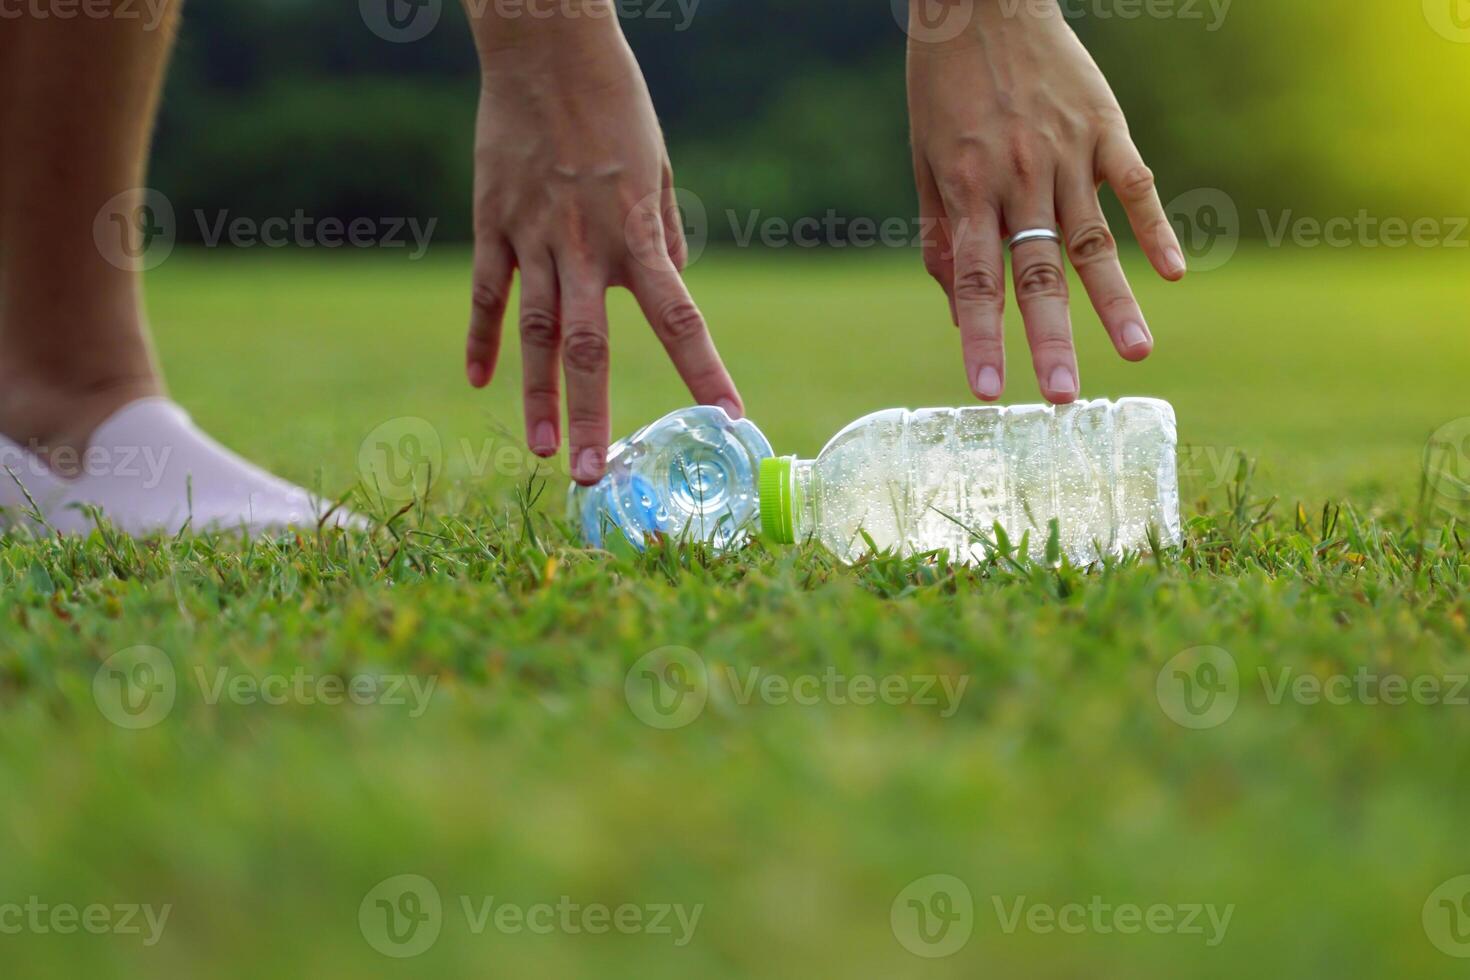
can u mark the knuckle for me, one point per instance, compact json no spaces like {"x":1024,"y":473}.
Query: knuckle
{"x":586,"y":350}
{"x":963,"y":182}
{"x":964,"y":169}
{"x":1092,"y":242}
{"x":487,"y":299}
{"x":646,"y":242}
{"x":987,"y":346}
{"x":980,"y":285}
{"x":1117,"y":305}
{"x":1042,"y":280}
{"x":1157,"y":230}
{"x":539,"y":329}
{"x":1137,"y":182}
{"x":680,"y":319}
{"x":936,"y":266}
{"x":585,"y":425}
{"x":1024,"y":157}
{"x":1060,"y":346}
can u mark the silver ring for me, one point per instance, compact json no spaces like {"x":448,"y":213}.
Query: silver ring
{"x":1033,"y":235}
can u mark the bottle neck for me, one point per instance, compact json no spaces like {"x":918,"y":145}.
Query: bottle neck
{"x":803,"y":500}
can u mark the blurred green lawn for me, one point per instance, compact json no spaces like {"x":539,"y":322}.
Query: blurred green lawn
{"x":1326,"y":829}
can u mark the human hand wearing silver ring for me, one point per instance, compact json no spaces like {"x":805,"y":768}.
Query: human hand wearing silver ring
{"x":1014,"y":130}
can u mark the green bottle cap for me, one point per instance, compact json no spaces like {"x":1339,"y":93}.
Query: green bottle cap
{"x":776,"y":499}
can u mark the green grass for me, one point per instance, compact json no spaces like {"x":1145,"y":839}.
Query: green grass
{"x":529,"y":775}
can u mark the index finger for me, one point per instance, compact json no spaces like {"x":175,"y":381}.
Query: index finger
{"x":1121,"y":165}
{"x":676,"y":320}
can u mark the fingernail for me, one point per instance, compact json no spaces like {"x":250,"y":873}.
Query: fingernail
{"x":589,"y":463}
{"x":1134,"y":335}
{"x":1174,"y":260}
{"x":544,"y":443}
{"x":731,"y":409}
{"x":477,"y":375}
{"x":988,"y":382}
{"x":1062,"y":381}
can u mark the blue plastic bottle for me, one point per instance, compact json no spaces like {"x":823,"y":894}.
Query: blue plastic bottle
{"x":689,"y":476}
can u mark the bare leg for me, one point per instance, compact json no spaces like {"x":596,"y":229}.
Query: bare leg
{"x":77,"y":102}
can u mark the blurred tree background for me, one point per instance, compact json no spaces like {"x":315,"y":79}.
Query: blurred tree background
{"x":796,"y":107}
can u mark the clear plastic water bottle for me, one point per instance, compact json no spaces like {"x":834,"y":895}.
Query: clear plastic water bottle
{"x":690,"y":476}
{"x":944,"y":478}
